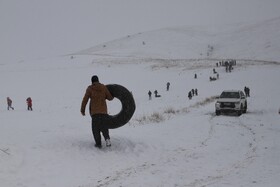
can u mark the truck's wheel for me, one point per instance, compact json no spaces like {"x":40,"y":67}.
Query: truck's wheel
{"x":245,"y":108}
{"x":240,"y":111}
{"x":128,"y":106}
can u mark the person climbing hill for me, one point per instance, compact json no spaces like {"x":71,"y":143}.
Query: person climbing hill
{"x":97,"y":93}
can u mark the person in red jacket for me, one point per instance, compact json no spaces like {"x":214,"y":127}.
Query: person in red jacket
{"x":29,"y":103}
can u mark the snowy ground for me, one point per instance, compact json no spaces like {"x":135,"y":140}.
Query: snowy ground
{"x":170,"y":141}
{"x":189,"y":146}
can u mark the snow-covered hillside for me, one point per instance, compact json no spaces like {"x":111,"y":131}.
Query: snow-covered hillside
{"x":171,"y":140}
{"x":259,"y":41}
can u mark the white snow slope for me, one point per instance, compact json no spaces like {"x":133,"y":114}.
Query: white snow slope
{"x":251,"y":41}
{"x":170,"y":141}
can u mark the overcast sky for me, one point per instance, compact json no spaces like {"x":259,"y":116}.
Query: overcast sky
{"x":43,"y":28}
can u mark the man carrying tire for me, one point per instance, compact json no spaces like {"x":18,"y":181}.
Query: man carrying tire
{"x":97,"y":93}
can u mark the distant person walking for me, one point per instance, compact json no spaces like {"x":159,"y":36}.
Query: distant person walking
{"x":190,"y":95}
{"x":97,"y":93}
{"x":9,"y":103}
{"x":150,"y":94}
{"x":167,"y":86}
{"x":247,"y":91}
{"x":192,"y":92}
{"x":29,"y":103}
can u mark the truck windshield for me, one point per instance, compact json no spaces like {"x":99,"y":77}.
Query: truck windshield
{"x":230,"y":95}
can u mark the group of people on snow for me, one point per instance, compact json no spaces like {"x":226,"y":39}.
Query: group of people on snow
{"x":28,"y":102}
{"x":247,"y":91}
{"x":156,"y":92}
{"x":192,"y":93}
{"x":228,"y":64}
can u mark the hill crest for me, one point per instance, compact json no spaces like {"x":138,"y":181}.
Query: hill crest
{"x":258,"y":41}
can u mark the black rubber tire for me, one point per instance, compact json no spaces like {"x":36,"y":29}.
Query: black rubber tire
{"x":128,"y":106}
{"x":240,"y":112}
{"x":245,"y":108}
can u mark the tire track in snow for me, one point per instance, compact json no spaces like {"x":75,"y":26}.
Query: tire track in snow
{"x":243,"y":163}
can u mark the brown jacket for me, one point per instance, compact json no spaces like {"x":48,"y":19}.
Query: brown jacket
{"x":97,"y":93}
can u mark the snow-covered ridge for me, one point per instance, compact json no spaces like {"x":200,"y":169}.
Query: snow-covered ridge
{"x":258,"y":41}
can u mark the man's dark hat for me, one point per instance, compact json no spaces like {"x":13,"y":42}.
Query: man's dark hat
{"x":94,"y":78}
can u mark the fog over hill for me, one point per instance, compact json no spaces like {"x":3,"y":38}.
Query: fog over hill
{"x":47,"y":28}
{"x":257,"y":41}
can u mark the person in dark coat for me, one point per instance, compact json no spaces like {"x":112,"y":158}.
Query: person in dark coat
{"x":150,"y":94}
{"x":97,"y":93}
{"x":9,"y":103}
{"x":230,"y":68}
{"x":29,"y":103}
{"x":167,"y":86}
{"x":196,"y":92}
{"x":248,"y":91}
{"x":190,"y":95}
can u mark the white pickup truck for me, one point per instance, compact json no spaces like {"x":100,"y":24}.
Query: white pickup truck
{"x":231,"y":101}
